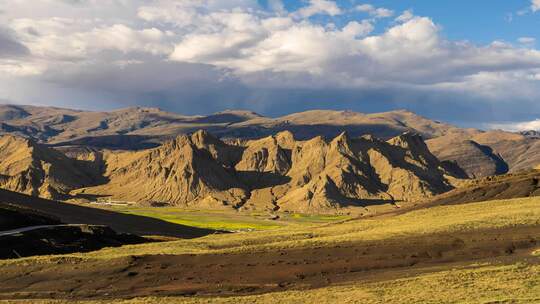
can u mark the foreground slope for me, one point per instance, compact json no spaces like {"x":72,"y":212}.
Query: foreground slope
{"x":75,"y":214}
{"x":12,"y":217}
{"x":25,"y":232}
{"x":486,"y":245}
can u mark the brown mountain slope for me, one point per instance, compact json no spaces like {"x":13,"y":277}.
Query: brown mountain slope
{"x":475,"y":159}
{"x":276,"y":172}
{"x":481,"y":154}
{"x":361,"y":171}
{"x":329,"y":123}
{"x":11,"y":112}
{"x":180,"y":171}
{"x":34,"y":169}
{"x":141,"y":127}
{"x":508,"y":186}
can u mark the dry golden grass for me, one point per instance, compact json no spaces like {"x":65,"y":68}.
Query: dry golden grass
{"x":480,"y":282}
{"x":469,"y":217}
{"x":484,"y":283}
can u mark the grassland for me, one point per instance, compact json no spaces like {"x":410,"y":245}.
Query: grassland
{"x":512,"y":278}
{"x":455,"y":218}
{"x":212,"y":220}
{"x":227,"y":220}
{"x":476,"y":283}
{"x":516,"y":283}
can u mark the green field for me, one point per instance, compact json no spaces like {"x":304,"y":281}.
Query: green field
{"x":227,"y":220}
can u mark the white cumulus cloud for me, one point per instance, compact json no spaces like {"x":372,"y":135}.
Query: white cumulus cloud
{"x":405,"y":16}
{"x":527,"y":41}
{"x":380,"y":12}
{"x":317,"y":7}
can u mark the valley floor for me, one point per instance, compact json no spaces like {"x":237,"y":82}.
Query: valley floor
{"x":485,"y":252}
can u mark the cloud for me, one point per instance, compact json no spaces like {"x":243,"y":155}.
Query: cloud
{"x":10,"y":46}
{"x":375,"y":12}
{"x":317,"y":7}
{"x":358,"y":29}
{"x":203,"y":55}
{"x":517,"y":126}
{"x":527,"y":41}
{"x":174,"y":13}
{"x":535,"y":5}
{"x":405,"y":16}
{"x":277,"y":6}
{"x":248,"y":43}
{"x":411,"y":53}
{"x":72,"y":39}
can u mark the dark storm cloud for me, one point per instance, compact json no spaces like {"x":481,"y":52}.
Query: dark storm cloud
{"x":10,"y":46}
{"x":184,"y":87}
{"x":198,"y":89}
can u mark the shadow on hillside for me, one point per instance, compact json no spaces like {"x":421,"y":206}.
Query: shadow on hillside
{"x":304,"y":132}
{"x":501,"y":166}
{"x":454,"y":169}
{"x":371,"y":202}
{"x":346,"y":201}
{"x":115,"y":142}
{"x":229,"y":118}
{"x":261,"y":180}
{"x":126,"y":223}
{"x":301,"y":132}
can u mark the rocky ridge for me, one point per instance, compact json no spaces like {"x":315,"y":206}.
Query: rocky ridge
{"x":276,"y":173}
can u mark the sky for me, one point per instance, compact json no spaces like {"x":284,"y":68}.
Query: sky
{"x":471,"y":63}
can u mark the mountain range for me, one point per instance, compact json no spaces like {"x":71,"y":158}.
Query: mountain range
{"x":140,"y":127}
{"x":316,"y":161}
{"x":199,"y":170}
